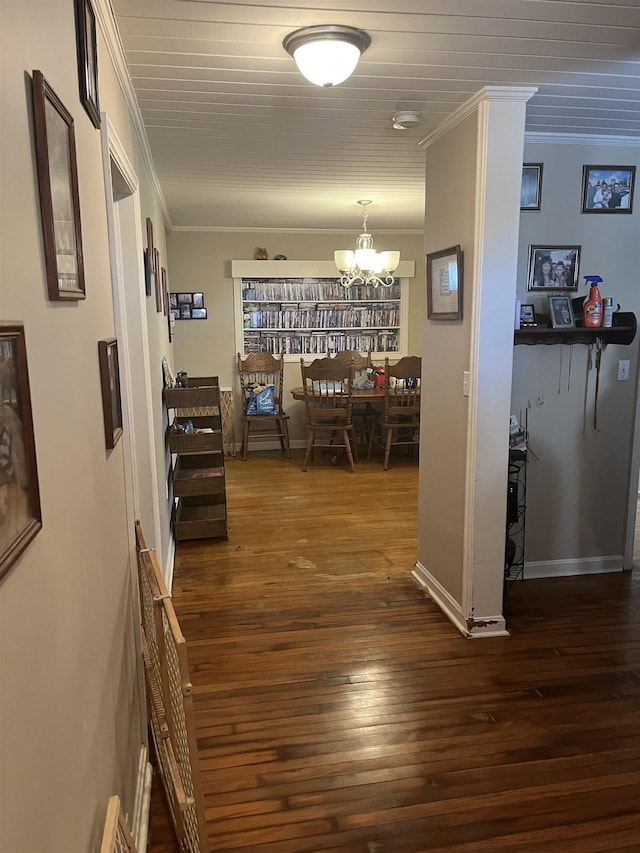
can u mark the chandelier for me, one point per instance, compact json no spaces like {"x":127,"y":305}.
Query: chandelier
{"x":365,"y":265}
{"x":328,"y":53}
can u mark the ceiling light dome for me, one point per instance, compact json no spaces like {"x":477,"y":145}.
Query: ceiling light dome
{"x":328,"y":53}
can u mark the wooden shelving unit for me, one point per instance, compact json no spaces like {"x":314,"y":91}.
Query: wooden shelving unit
{"x":623,"y":331}
{"x":197,"y":472}
{"x":299,"y":308}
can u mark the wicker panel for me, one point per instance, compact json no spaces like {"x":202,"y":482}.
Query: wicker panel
{"x":182,"y":730}
{"x":188,"y":398}
{"x":116,"y":837}
{"x":203,"y":442}
{"x":191,"y":477}
{"x":200,"y":521}
{"x":227,"y":407}
{"x":165,"y":757}
{"x":169,"y":700}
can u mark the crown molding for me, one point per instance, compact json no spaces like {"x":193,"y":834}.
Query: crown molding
{"x":109,"y":28}
{"x":316,"y":231}
{"x":581,"y":139}
{"x":513,"y":94}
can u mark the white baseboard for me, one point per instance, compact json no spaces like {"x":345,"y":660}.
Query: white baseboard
{"x":476,"y":627}
{"x":577,"y":566}
{"x":142,"y":805}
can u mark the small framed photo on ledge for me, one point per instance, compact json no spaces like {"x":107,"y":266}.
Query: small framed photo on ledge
{"x":560,"y":312}
{"x":527,"y":315}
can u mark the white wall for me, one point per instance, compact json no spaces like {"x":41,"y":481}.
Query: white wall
{"x":71,"y":720}
{"x":578,"y":481}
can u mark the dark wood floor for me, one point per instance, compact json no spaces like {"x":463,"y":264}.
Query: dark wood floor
{"x":338,"y":710}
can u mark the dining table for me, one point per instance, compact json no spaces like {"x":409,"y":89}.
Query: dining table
{"x":367,"y":395}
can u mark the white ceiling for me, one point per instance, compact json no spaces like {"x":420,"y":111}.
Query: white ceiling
{"x":241,"y":140}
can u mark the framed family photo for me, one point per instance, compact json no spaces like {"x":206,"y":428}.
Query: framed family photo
{"x":531,"y":187}
{"x":553,"y":267}
{"x":110,"y":387}
{"x":87,"y":50}
{"x":20,"y":515}
{"x":560,"y":312}
{"x":608,"y":189}
{"x":59,"y":198}
{"x":444,"y":284}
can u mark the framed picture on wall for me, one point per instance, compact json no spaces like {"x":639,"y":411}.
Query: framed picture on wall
{"x":87,"y":50}
{"x":59,"y":198}
{"x":607,"y":189}
{"x":444,"y":284}
{"x":531,"y":187}
{"x":20,"y":518}
{"x":553,"y":267}
{"x":110,"y":388}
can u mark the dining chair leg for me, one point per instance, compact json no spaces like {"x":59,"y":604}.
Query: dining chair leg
{"x":347,"y":445}
{"x":287,"y":446}
{"x":245,"y":441}
{"x":309,"y":450}
{"x":283,"y":437}
{"x":372,"y":433}
{"x":354,"y":446}
{"x":387,"y":449}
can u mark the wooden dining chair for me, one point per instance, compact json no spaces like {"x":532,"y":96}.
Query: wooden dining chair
{"x":362,"y":413}
{"x":263,"y":369}
{"x":327,"y":387}
{"x":399,"y":423}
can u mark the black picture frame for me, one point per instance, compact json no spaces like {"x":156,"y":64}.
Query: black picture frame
{"x":531,"y":186}
{"x":198,"y":300}
{"x":527,"y":315}
{"x":553,"y":268}
{"x":561,"y":312}
{"x":110,"y":388}
{"x":59,"y":198}
{"x":87,"y":51}
{"x":157,"y":271}
{"x":198,"y":313}
{"x":607,"y":189}
{"x":22,"y":520}
{"x":148,"y":263}
{"x":444,"y":284}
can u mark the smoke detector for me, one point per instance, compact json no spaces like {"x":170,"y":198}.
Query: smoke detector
{"x":405,"y":120}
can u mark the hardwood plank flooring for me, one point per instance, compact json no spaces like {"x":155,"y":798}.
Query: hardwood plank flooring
{"x":338,"y":709}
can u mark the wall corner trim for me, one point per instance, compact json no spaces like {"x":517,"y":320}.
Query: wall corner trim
{"x":475,"y":627}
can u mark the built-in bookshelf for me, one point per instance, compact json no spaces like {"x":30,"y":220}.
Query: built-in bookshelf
{"x":300,"y":308}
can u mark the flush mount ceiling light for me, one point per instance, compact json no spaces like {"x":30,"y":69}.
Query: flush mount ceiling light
{"x":365,"y":265}
{"x":405,"y":120}
{"x":328,"y":53}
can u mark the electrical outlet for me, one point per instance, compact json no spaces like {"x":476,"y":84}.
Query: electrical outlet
{"x":623,"y":369}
